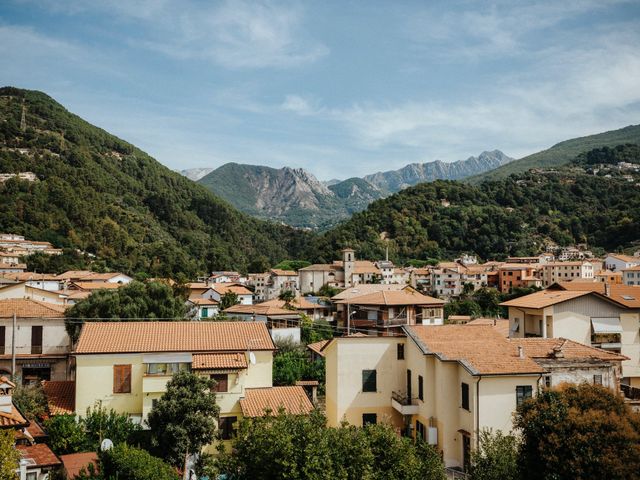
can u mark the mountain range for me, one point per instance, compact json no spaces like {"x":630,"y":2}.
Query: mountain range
{"x":295,"y":197}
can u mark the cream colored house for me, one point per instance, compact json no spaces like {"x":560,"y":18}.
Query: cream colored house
{"x":23,"y":290}
{"x":126,"y":365}
{"x":442,"y":383}
{"x":553,"y":272}
{"x":591,"y":313}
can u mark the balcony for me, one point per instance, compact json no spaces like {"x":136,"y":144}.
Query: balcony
{"x":403,"y":404}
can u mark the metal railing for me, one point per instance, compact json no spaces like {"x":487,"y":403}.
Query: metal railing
{"x":403,"y":399}
{"x":454,"y":474}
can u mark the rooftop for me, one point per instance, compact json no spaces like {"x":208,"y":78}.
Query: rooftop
{"x":299,"y":303}
{"x":260,"y":309}
{"x":545,"y":347}
{"x":27,"y":308}
{"x":364,"y":289}
{"x":74,"y":462}
{"x":179,"y":336}
{"x":284,"y":273}
{"x":543,"y":299}
{"x":236,"y":288}
{"x":481,"y":350}
{"x":293,"y":399}
{"x":61,"y":396}
{"x":213,"y":361}
{"x":625,"y":295}
{"x":318,"y":346}
{"x":40,"y":454}
{"x":500,"y":324}
{"x":393,"y":298}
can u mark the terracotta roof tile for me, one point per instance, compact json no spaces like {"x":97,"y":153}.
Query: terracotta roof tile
{"x":544,"y":348}
{"x":12,"y":419}
{"x":123,"y":337}
{"x":96,"y":285}
{"x":318,"y":346}
{"x":284,"y":273}
{"x":544,"y":298}
{"x":625,"y":295}
{"x":402,"y":297}
{"x":260,"y":309}
{"x":40,"y":453}
{"x":365,"y":289}
{"x":27,"y":308}
{"x":74,"y":462}
{"x":223,"y":288}
{"x":300,"y":303}
{"x":293,"y":399}
{"x":203,"y":301}
{"x":61,"y":396}
{"x":500,"y":324}
{"x":210,"y":361}
{"x":481,"y":349}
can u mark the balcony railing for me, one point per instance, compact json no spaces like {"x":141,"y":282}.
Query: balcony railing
{"x":404,"y":404}
{"x":632,"y":393}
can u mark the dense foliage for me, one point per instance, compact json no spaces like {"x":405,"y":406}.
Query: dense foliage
{"x":302,"y":447}
{"x":183,"y":420}
{"x":9,"y":456}
{"x":513,"y":216}
{"x":71,"y":434}
{"x":134,"y":301}
{"x":497,"y":457}
{"x":31,"y":400}
{"x":128,"y":463}
{"x":102,"y":195}
{"x":580,"y":432}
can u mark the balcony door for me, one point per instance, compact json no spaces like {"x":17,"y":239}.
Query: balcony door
{"x":409,"y":393}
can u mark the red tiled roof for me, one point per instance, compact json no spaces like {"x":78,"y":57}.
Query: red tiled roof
{"x":402,"y":297}
{"x":300,"y":303}
{"x":481,"y":349}
{"x":260,"y":309}
{"x":28,"y":308}
{"x":293,"y":399}
{"x":40,"y":453}
{"x":500,"y":324}
{"x":223,"y":288}
{"x":543,"y":299}
{"x":209,"y":361}
{"x":61,"y":396}
{"x":130,"y":337}
{"x":74,"y":462}
{"x":544,"y":348}
{"x":317,"y":347}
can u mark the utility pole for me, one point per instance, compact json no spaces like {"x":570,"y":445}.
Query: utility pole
{"x":13,"y":348}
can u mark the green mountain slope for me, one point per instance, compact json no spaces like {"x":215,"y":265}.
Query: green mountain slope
{"x":562,"y":152}
{"x":512,"y":216}
{"x":102,"y":195}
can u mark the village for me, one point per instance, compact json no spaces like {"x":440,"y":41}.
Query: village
{"x":392,"y":348}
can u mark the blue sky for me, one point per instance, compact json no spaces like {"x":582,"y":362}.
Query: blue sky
{"x":340,"y":88}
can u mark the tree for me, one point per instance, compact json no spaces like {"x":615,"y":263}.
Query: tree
{"x":312,"y":331}
{"x":66,"y":434}
{"x":287,"y":296}
{"x":100,"y":423}
{"x":134,"y":301}
{"x":9,"y":456}
{"x":579,"y":432}
{"x":31,"y":400}
{"x":497,"y":457}
{"x":128,"y":463}
{"x":328,"y":291}
{"x":288,"y":446}
{"x":184,"y":418}
{"x":229,"y":299}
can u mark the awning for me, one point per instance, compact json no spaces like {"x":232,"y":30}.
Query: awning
{"x":166,"y":358}
{"x":606,"y":325}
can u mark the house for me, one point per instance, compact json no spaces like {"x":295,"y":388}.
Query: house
{"x":225,"y":277}
{"x":23,"y":290}
{"x":315,"y":311}
{"x":73,"y":463}
{"x":567,"y":361}
{"x":37,"y":462}
{"x":280,"y":281}
{"x":443,"y":384}
{"x":205,"y":307}
{"x":219,"y":290}
{"x":43,"y":281}
{"x":126,"y":365}
{"x":42,"y":343}
{"x":590,"y":313}
{"x":61,"y":396}
{"x":88,"y":276}
{"x":618,"y":262}
{"x":281,"y":322}
{"x":314,"y":277}
{"x":608,"y":276}
{"x":553,"y":272}
{"x":385,"y":310}
{"x":258,"y":281}
{"x":517,"y":275}
{"x":631,"y":276}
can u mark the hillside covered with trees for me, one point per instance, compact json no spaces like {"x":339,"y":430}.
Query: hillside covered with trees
{"x":102,"y":195}
{"x":511,"y":216}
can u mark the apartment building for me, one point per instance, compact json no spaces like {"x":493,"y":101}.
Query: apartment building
{"x":631,"y":276}
{"x":553,"y":272}
{"x":517,"y":275}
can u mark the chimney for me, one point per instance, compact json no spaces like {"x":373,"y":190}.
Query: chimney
{"x":6,"y":394}
{"x":520,"y":351}
{"x":607,"y":289}
{"x":557,"y":352}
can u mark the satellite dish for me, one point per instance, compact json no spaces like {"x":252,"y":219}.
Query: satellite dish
{"x":106,"y":445}
{"x":252,"y":358}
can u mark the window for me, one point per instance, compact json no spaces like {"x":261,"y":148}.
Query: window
{"x":369,"y":381}
{"x":400,"y":351}
{"x":421,"y":431}
{"x":225,"y":424}
{"x":547,"y":381}
{"x":32,"y":476}
{"x":597,"y":379}
{"x":522,"y":393}
{"x":2,"y":339}
{"x":369,"y":419}
{"x":464,"y":390}
{"x":420,"y":388}
{"x":122,"y":379}
{"x":36,"y":339}
{"x":166,"y":368}
{"x":222,"y":382}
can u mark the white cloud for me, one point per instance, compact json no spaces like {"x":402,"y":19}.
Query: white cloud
{"x":299,"y":105}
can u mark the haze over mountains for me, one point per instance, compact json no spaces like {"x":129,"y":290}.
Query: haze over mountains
{"x":296,"y":197}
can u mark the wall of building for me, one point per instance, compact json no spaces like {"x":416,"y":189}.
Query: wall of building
{"x":631,"y":344}
{"x":55,"y":339}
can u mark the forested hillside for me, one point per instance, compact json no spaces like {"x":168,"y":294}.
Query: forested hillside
{"x":512,"y":216}
{"x":104,"y":196}
{"x":563,"y":152}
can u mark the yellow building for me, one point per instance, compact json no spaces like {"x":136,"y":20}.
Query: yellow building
{"x":443,"y":383}
{"x":126,"y":365}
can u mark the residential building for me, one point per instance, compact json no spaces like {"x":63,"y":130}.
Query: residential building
{"x":553,"y":272}
{"x":516,"y":275}
{"x":618,"y":262}
{"x":590,"y":313}
{"x":42,"y":344}
{"x":313,"y":310}
{"x":314,"y":277}
{"x":205,"y":308}
{"x":631,"y":276}
{"x":281,"y":322}
{"x":441,"y":383}
{"x":226,"y":277}
{"x":219,"y":290}
{"x":126,"y":366}
{"x":258,"y":282}
{"x":608,"y":276}
{"x":43,"y":281}
{"x":388,"y":310}
{"x":37,"y":462}
{"x":23,"y":290}
{"x":280,"y":281}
